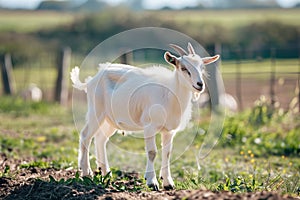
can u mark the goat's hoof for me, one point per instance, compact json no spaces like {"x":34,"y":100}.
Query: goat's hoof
{"x":169,"y":187}
{"x":89,"y":174}
{"x":85,"y":172}
{"x":153,"y":187}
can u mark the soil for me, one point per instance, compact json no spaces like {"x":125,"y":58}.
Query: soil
{"x":252,"y":89}
{"x":34,"y":183}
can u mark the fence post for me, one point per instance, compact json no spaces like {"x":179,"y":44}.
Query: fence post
{"x":7,"y":74}
{"x":272,"y":76}
{"x":123,"y":59}
{"x":63,"y":64}
{"x":126,"y":58}
{"x":299,"y":84}
{"x":238,"y":82}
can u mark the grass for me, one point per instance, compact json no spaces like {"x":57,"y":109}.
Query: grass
{"x":28,"y":21}
{"x":259,"y":149}
{"x":43,"y":75}
{"x":232,"y":18}
{"x":27,"y":129}
{"x":282,"y":66}
{"x":243,"y":173}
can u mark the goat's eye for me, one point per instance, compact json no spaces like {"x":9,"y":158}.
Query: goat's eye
{"x":185,"y":70}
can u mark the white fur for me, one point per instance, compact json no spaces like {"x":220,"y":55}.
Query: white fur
{"x":123,"y":97}
{"x":32,"y":93}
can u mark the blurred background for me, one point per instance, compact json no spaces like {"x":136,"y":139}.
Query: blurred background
{"x":258,"y":41}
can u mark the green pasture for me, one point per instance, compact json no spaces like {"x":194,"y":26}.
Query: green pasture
{"x":263,"y":66}
{"x":258,"y":150}
{"x":232,"y":18}
{"x":287,"y":68}
{"x":29,"y":21}
{"x":41,"y":71}
{"x":42,"y":77}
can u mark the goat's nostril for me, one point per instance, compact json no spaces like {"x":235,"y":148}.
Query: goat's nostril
{"x":200,"y":84}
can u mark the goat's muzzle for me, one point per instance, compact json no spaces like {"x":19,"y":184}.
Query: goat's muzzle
{"x":198,"y":88}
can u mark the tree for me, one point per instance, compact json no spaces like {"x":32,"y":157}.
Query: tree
{"x":55,"y":5}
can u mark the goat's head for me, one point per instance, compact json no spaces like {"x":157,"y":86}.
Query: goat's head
{"x":189,"y":66}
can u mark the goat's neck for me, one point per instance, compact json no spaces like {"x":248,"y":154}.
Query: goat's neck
{"x":183,"y":93}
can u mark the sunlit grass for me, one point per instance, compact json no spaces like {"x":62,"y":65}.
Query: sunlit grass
{"x":232,"y":18}
{"x":42,"y":72}
{"x":28,"y":21}
{"x":239,"y":163}
{"x":261,"y":69}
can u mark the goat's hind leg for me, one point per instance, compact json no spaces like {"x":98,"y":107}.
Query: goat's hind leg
{"x":83,"y":156}
{"x":101,"y":139}
{"x":86,"y":136}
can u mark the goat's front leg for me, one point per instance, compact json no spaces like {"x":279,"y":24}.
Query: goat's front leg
{"x":84,"y":145}
{"x":86,"y":136}
{"x":167,"y":140}
{"x":151,"y":151}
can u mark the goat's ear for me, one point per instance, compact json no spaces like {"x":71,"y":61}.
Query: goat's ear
{"x":169,"y":58}
{"x":209,"y":60}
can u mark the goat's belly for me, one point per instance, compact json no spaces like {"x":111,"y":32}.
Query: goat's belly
{"x":126,"y":125}
{"x":124,"y":112}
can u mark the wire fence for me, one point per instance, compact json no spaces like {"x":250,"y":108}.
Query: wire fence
{"x":275,"y":79}
{"x":246,"y":80}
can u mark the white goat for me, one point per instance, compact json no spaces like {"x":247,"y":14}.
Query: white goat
{"x":123,"y":97}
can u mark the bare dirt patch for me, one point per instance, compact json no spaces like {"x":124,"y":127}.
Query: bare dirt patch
{"x":252,"y":89}
{"x":35,"y":183}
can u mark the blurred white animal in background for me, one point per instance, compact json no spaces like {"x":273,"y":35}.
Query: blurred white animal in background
{"x":32,"y":93}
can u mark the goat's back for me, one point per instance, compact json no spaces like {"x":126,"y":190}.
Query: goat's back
{"x":129,"y":92}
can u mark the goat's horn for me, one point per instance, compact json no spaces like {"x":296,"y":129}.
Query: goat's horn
{"x":178,"y":49}
{"x":191,"y":49}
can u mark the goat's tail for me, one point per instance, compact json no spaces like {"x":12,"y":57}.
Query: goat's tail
{"x":75,"y":79}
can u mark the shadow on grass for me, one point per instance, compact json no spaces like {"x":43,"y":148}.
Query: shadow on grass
{"x":40,"y":189}
{"x":50,"y":183}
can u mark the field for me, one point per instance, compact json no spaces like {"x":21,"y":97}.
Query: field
{"x":258,"y":151}
{"x":28,"y":22}
{"x":257,"y":155}
{"x":233,"y":18}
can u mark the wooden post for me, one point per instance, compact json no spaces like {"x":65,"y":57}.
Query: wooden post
{"x":273,"y":76}
{"x":7,"y":74}
{"x":299,"y":84}
{"x":63,"y":64}
{"x":126,"y":58}
{"x":123,"y":59}
{"x":238,"y":82}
